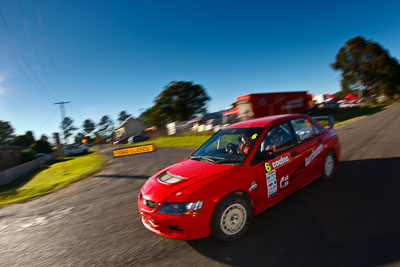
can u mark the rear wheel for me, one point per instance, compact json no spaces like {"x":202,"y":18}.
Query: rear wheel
{"x":231,"y":218}
{"x":328,"y":166}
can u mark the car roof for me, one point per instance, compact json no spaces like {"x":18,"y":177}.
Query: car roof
{"x":264,"y":121}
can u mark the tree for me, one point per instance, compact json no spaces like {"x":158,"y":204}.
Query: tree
{"x":68,"y":127}
{"x":366,"y":66}
{"x":22,"y":140}
{"x":123,"y":115}
{"x":42,"y":146}
{"x":88,"y":126}
{"x":153,"y":116}
{"x":29,"y":135}
{"x":6,"y":132}
{"x":179,"y":101}
{"x":105,"y":127}
{"x":44,"y":138}
{"x":25,"y":140}
{"x":79,"y":137}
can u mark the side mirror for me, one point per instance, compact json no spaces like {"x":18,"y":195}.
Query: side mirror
{"x":270,"y":154}
{"x":266,"y":154}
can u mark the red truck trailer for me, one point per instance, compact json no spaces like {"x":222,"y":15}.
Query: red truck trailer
{"x":253,"y":106}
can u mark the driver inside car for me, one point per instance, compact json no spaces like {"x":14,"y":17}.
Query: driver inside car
{"x":275,"y":141}
{"x":244,"y":148}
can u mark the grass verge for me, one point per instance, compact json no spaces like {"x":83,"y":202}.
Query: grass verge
{"x":51,"y":177}
{"x":347,"y":116}
{"x":183,"y":141}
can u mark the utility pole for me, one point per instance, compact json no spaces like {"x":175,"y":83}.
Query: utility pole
{"x":62,"y":111}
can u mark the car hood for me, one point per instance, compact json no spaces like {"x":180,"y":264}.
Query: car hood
{"x":192,"y":171}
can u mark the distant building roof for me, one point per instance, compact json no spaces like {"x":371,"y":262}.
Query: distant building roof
{"x":126,"y":121}
{"x":209,"y":116}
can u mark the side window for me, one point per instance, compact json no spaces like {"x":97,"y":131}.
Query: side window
{"x":304,"y":129}
{"x":279,"y":138}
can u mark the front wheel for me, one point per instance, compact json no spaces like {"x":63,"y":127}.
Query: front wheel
{"x":328,"y":166}
{"x":231,"y":218}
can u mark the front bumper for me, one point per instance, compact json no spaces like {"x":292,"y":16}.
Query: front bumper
{"x":174,"y":226}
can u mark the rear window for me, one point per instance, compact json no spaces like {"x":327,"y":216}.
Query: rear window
{"x":304,"y":129}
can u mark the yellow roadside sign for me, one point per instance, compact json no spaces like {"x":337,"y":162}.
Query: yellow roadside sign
{"x":133,"y":150}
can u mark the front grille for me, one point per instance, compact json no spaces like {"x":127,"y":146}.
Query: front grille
{"x":149,"y":203}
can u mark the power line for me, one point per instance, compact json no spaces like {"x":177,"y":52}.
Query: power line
{"x":36,"y":50}
{"x":47,"y":121}
{"x":22,"y":69}
{"x":43,"y":34}
{"x":62,"y":112}
{"x":21,"y":54}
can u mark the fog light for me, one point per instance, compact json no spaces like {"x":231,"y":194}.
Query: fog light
{"x":174,"y":227}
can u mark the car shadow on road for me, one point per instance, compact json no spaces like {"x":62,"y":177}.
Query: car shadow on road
{"x":123,"y":176}
{"x":351,"y":220}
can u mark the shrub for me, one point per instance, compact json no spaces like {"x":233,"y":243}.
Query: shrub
{"x":42,"y":146}
{"x":27,"y":155}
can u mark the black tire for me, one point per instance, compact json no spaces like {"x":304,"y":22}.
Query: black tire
{"x":231,"y":218}
{"x":328,"y":166}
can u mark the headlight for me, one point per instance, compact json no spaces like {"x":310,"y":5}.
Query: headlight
{"x":181,"y":208}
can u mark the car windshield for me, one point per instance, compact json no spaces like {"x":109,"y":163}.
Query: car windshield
{"x":228,"y":146}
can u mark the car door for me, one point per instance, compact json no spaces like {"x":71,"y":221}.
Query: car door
{"x":310,"y":149}
{"x":273,"y":175}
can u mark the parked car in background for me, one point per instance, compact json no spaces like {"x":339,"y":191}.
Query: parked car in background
{"x":122,"y":140}
{"x":74,"y":150}
{"x":345,"y":104}
{"x":329,"y":106}
{"x":137,"y":138}
{"x":85,"y":146}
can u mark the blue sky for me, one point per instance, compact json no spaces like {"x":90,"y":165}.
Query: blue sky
{"x":108,"y":56}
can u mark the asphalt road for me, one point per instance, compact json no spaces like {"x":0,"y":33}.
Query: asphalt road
{"x":351,"y":220}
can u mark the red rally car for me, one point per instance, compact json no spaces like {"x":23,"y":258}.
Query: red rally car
{"x":238,"y":173}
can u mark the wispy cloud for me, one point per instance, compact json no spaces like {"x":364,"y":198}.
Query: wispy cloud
{"x":3,"y":77}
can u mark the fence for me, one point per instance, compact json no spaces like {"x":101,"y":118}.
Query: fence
{"x":9,"y":175}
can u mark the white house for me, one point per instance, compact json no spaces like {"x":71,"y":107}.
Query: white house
{"x":129,"y":127}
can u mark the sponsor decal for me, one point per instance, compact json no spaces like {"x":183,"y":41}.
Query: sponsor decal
{"x":314,"y":154}
{"x":284,"y":181}
{"x":261,"y":102}
{"x":254,"y":136}
{"x":276,"y":163}
{"x":279,"y":99}
{"x":271,"y":183}
{"x":133,"y":150}
{"x":297,"y":103}
{"x":298,"y":170}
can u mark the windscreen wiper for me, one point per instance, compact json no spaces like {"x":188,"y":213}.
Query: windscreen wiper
{"x":230,"y":161}
{"x":202,"y":158}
